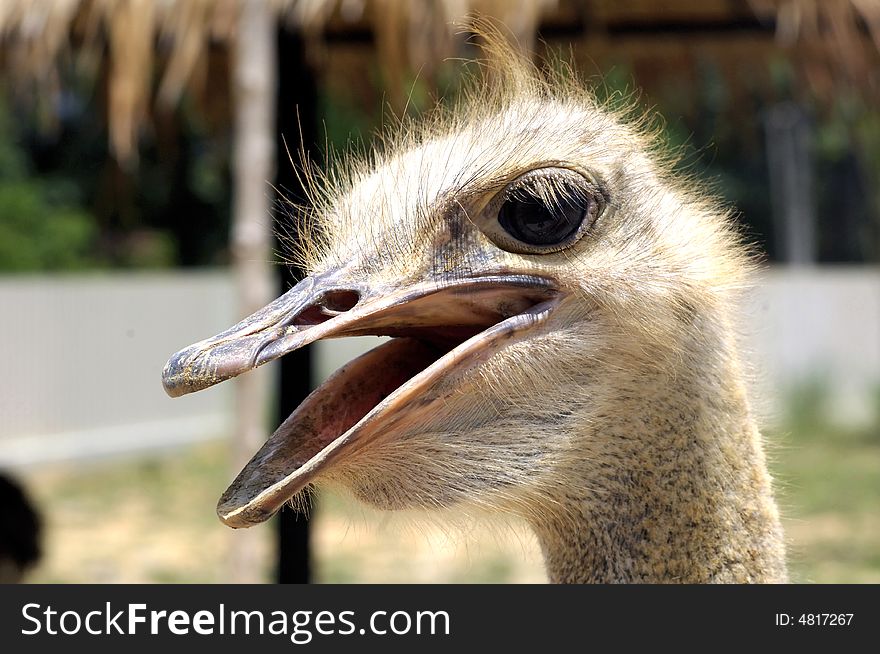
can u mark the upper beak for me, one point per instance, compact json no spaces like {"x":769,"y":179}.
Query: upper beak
{"x":336,"y":304}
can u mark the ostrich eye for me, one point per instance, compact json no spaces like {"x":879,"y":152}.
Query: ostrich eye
{"x":532,"y":221}
{"x":543,"y":211}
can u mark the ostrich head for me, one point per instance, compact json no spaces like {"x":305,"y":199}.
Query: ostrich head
{"x":559,"y":306}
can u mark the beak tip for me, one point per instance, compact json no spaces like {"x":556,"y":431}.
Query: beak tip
{"x":172,"y":389}
{"x":234,"y":517}
{"x":174,"y":377}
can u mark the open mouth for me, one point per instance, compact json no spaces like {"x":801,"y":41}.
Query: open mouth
{"x":438,"y":331}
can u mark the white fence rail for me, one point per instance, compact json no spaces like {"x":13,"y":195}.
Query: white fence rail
{"x":82,"y":356}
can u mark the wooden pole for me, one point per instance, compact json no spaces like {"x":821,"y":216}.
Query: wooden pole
{"x":254,"y":86}
{"x":791,"y":183}
{"x":297,"y":123}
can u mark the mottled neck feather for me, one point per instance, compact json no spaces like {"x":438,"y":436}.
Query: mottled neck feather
{"x":686,"y":498}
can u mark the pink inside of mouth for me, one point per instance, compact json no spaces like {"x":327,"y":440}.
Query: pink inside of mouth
{"x":350,"y":394}
{"x":327,"y":413}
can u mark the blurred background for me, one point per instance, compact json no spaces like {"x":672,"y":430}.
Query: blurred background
{"x":143,"y":161}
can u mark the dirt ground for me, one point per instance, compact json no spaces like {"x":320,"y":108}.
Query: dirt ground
{"x":152,"y":520}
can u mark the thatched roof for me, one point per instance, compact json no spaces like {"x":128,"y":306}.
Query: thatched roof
{"x":838,"y":41}
{"x":35,"y":34}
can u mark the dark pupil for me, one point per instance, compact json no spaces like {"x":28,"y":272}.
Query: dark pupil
{"x":533,"y":222}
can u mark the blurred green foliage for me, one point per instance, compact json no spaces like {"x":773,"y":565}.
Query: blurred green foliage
{"x":40,"y":229}
{"x":66,"y":205}
{"x":43,"y":225}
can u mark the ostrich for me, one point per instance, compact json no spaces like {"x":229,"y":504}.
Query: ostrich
{"x":562,"y":313}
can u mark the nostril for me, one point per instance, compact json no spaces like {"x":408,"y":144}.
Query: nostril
{"x":339,"y":301}
{"x":330,"y":305}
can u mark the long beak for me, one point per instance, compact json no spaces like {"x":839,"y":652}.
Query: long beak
{"x":444,"y":326}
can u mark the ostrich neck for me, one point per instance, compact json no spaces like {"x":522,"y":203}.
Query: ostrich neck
{"x":681,"y":493}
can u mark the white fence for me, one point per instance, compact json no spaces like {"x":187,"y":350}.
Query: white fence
{"x":82,"y":356}
{"x":819,"y":325}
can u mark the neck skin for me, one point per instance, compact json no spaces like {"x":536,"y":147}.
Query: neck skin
{"x":684,"y":496}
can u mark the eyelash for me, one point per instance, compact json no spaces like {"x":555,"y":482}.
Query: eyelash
{"x":558,"y":190}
